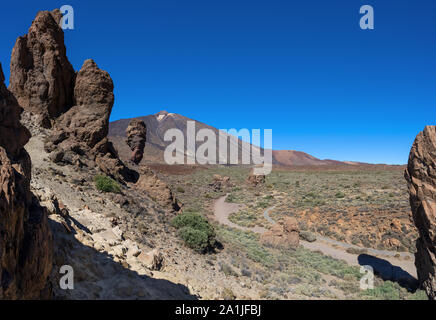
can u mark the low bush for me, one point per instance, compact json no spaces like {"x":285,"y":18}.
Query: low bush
{"x":194,"y":238}
{"x":340,"y":195}
{"x":106,"y":184}
{"x":195,"y":230}
{"x":180,"y":189}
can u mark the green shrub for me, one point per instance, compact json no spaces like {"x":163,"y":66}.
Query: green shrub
{"x":180,"y":189}
{"x":262,"y":204}
{"x":230,"y":198}
{"x":194,"y":238}
{"x":195,"y":230}
{"x":340,"y":195}
{"x":106,"y":184}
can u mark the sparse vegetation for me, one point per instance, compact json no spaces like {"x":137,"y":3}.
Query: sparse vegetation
{"x":180,"y":189}
{"x":106,"y":184}
{"x":328,"y":203}
{"x":195,"y":230}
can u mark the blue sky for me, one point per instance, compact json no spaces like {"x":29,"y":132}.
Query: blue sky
{"x":302,"y":68}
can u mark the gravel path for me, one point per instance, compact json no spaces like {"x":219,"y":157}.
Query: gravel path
{"x":382,"y":260}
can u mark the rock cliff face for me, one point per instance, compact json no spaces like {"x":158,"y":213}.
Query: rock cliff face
{"x":42,"y":78}
{"x":136,"y":134}
{"x":26,"y":246}
{"x":421,"y":177}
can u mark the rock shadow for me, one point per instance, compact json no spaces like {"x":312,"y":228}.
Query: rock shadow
{"x":97,"y":276}
{"x":387,"y":271}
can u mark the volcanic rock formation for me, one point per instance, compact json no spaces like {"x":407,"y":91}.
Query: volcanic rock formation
{"x":283,"y":235}
{"x":255,"y":179}
{"x":136,"y":134}
{"x":79,"y":136}
{"x":42,"y":78}
{"x":421,"y":177}
{"x":220,"y":182}
{"x":26,"y":246}
{"x":157,"y":189}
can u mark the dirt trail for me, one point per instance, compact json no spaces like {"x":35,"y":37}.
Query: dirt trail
{"x":223,"y":209}
{"x":379,"y":258}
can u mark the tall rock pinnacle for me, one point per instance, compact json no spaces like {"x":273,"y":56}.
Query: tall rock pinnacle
{"x":421,"y":177}
{"x":42,"y":78}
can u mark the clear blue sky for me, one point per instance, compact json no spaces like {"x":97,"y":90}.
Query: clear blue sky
{"x":302,"y":68}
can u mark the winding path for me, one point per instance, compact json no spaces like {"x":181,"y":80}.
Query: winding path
{"x":336,"y":249}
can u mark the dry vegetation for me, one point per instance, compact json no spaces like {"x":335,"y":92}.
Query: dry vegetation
{"x":365,"y":207}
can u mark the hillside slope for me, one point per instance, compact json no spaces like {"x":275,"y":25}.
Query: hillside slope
{"x":157,"y":124}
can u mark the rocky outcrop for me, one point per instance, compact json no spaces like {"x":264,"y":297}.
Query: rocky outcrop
{"x":421,"y":177}
{"x":149,"y":183}
{"x":284,"y":235}
{"x":76,"y":106}
{"x":26,"y":246}
{"x":42,"y":78}
{"x":219,"y":182}
{"x":152,"y":260}
{"x":136,"y":134}
{"x":79,"y":136}
{"x":255,"y":179}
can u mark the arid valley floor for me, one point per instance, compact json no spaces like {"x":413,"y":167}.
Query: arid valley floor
{"x":365,"y":207}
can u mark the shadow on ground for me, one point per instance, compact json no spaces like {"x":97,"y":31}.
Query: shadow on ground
{"x":385,"y":270}
{"x":97,"y":276}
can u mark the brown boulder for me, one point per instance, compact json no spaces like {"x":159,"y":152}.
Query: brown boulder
{"x":136,"y":134}
{"x":152,"y":260}
{"x":26,"y":247}
{"x":256,"y":179}
{"x":421,"y":177}
{"x":42,"y":78}
{"x":149,"y":183}
{"x":282,"y":235}
{"x":220,"y":182}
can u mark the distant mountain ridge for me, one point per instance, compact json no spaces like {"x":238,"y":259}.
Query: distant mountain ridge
{"x":157,"y":124}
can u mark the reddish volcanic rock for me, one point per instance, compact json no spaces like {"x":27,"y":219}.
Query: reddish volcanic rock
{"x":42,"y":78}
{"x":26,"y":247}
{"x":149,"y":183}
{"x":220,"y":182}
{"x":255,"y":180}
{"x":79,"y":135}
{"x":136,"y":134}
{"x":283,"y":235}
{"x":421,"y":177}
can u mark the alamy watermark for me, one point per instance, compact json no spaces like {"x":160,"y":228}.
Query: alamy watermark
{"x":67,"y":21}
{"x":367,"y":20}
{"x":207,"y":146}
{"x":367,"y":280}
{"x":66,"y":282}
